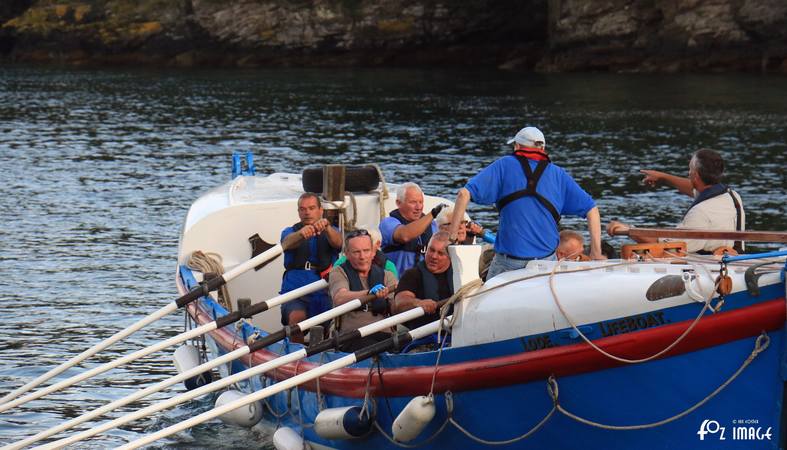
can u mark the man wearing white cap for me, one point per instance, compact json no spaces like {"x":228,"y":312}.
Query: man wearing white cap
{"x":531,"y":194}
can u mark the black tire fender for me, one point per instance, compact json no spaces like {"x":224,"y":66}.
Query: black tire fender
{"x":356,"y":179}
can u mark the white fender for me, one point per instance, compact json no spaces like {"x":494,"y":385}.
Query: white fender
{"x":342,"y":423}
{"x":413,"y":418}
{"x":186,"y":357}
{"x":285,"y":438}
{"x":246,"y":416}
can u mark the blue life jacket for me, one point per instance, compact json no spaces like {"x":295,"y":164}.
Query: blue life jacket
{"x":303,"y":266}
{"x":304,"y":259}
{"x":416,"y":246}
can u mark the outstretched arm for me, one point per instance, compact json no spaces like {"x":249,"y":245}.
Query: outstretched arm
{"x":462,"y":199}
{"x":594,"y":228}
{"x":406,"y":233}
{"x":682,"y":184}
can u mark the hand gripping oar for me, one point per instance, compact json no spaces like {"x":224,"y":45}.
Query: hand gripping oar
{"x":198,"y":291}
{"x":240,"y":376}
{"x":218,"y":323}
{"x":394,"y":342}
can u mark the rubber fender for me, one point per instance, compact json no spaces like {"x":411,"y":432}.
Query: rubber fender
{"x":342,"y":423}
{"x":185,"y":358}
{"x":285,"y":438}
{"x":413,"y":419}
{"x":356,"y":179}
{"x":245,"y":416}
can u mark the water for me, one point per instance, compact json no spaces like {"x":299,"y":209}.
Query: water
{"x":100,"y":167}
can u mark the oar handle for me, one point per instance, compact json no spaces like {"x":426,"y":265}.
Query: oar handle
{"x":369,"y":297}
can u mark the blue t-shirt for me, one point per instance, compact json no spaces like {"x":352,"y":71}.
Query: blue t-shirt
{"x":527,"y":229}
{"x":403,"y":260}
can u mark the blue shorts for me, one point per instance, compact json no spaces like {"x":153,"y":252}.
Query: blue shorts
{"x":311,"y":304}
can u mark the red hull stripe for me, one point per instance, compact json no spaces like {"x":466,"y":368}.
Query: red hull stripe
{"x":524,"y":367}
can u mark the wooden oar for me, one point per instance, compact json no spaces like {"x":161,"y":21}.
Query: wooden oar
{"x":399,"y":341}
{"x":218,"y":323}
{"x":198,"y":291}
{"x":684,"y":233}
{"x":248,"y":373}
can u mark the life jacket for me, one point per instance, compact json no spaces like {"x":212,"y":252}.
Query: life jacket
{"x":430,"y":284}
{"x":417,"y":245}
{"x":715,"y":191}
{"x":431,"y":290}
{"x":303,"y":259}
{"x":380,"y":259}
{"x":532,"y":177}
{"x":376,"y":276}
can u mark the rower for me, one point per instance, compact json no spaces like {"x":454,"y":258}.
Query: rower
{"x":304,"y":263}
{"x":355,"y":278}
{"x":407,"y":231}
{"x":426,"y":284}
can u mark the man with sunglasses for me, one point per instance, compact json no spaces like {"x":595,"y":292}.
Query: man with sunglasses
{"x":355,"y":278}
{"x":318,"y":249}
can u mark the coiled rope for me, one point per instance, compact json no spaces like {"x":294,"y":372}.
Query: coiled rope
{"x":211,"y":263}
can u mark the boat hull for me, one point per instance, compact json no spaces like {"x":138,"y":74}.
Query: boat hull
{"x":500,"y":390}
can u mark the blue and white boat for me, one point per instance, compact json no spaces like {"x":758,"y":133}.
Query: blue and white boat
{"x":615,"y":354}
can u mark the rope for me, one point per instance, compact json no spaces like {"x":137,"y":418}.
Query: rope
{"x":402,"y":444}
{"x":760,"y":344}
{"x":367,"y":391}
{"x":382,"y":192}
{"x":211,"y":262}
{"x":509,"y":441}
{"x":617,"y":358}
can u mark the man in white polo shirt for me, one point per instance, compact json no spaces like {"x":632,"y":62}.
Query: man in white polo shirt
{"x":716,"y":207}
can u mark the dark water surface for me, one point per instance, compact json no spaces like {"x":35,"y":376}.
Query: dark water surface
{"x":100,"y":167}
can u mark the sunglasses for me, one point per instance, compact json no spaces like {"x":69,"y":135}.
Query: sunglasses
{"x":356,"y":233}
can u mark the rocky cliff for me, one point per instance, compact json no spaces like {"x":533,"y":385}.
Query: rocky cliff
{"x":544,"y":35}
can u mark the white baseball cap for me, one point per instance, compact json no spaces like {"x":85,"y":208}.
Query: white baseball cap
{"x":529,"y":137}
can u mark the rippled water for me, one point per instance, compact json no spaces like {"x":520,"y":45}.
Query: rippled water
{"x":99,"y":168}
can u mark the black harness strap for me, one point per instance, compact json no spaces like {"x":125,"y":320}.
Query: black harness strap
{"x":717,"y":190}
{"x":737,"y":245}
{"x":532,"y":178}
